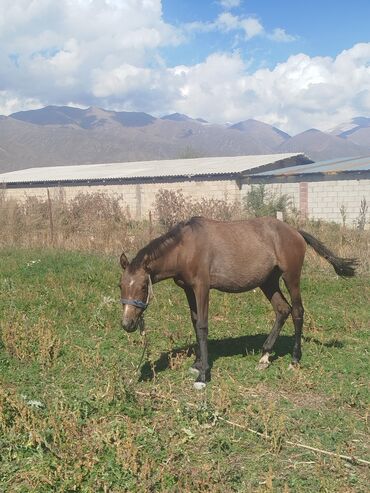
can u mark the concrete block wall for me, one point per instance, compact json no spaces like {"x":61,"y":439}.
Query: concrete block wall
{"x":325,"y":199}
{"x":322,"y":200}
{"x":138,"y":198}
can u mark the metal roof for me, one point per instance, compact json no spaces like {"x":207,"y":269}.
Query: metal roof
{"x":330,"y":167}
{"x":148,"y":169}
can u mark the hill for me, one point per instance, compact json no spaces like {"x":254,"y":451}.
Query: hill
{"x":63,"y":135}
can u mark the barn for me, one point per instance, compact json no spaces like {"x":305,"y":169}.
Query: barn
{"x":136,"y":183}
{"x":321,"y":190}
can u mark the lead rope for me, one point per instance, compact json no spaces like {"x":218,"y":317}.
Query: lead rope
{"x":145,"y":346}
{"x":142,"y":327}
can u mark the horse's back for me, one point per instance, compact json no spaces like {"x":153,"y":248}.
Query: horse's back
{"x":247,"y":234}
{"x":240,"y":255}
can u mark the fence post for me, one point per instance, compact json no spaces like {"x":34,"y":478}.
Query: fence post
{"x":50,"y":218}
{"x":150,"y":226}
{"x":280,"y":215}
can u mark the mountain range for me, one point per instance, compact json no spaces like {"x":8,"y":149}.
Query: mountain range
{"x":63,"y":135}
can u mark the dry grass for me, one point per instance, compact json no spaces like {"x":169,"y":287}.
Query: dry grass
{"x":28,"y":341}
{"x":93,"y":222}
{"x":172,"y":207}
{"x":343,"y":241}
{"x":97,"y":222}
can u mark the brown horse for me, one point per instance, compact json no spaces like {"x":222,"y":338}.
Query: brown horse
{"x":233,"y":257}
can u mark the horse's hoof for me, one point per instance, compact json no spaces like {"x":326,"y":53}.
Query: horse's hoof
{"x":199,"y":385}
{"x":193,"y":371}
{"x":294,"y":366}
{"x":264,"y":362}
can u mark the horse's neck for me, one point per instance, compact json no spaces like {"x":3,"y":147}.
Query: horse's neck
{"x":165,"y":266}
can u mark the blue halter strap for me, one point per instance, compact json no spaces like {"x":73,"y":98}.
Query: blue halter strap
{"x":138,"y":303}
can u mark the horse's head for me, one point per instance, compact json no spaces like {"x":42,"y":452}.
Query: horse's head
{"x":135,"y":293}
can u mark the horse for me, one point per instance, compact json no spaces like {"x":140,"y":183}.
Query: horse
{"x":233,"y":257}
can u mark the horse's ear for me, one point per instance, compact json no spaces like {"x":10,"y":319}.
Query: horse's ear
{"x":123,"y":261}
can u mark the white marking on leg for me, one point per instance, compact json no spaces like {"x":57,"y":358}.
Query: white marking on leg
{"x":199,"y":385}
{"x":264,"y":362}
{"x":132,"y":282}
{"x":265,"y":358}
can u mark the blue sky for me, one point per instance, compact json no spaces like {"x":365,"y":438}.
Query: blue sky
{"x":322,"y":28}
{"x":293,"y":64}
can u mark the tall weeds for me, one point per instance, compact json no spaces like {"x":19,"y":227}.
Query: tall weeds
{"x":89,"y":222}
{"x":172,"y":207}
{"x":101,"y":223}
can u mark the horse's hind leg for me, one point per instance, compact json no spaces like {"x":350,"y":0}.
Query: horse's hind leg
{"x":282,"y":310}
{"x":292,"y":284}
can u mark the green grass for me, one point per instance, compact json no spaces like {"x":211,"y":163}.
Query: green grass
{"x":75,"y":415}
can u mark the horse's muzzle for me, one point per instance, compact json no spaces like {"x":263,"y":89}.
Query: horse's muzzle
{"x":129,"y":325}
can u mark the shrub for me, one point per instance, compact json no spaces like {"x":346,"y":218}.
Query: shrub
{"x":172,"y":207}
{"x":260,"y":202}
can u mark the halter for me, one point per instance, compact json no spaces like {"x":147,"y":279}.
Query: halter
{"x":138,"y":303}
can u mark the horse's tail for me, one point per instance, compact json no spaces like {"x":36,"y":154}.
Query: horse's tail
{"x":345,"y":267}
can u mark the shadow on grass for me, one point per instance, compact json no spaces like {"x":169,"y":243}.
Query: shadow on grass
{"x":219,"y":348}
{"x":230,"y":346}
{"x":333,"y":343}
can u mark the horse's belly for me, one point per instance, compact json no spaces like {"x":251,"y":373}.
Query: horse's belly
{"x":236,"y":279}
{"x":236,"y":284}
{"x":234,"y":287}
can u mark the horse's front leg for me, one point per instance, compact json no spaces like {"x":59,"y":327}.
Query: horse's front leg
{"x":201,"y":327}
{"x":190,"y":296}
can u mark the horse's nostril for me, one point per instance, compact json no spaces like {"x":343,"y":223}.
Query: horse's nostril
{"x":128,"y":326}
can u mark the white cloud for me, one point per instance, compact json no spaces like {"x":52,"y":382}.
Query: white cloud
{"x":229,"y":22}
{"x":107,"y":53}
{"x":250,"y":26}
{"x":50,"y":50}
{"x":281,"y":35}
{"x":300,"y":93}
{"x":230,"y":4}
{"x":11,"y":102}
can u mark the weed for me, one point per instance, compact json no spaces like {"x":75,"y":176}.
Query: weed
{"x":362,"y":217}
{"x":31,"y":341}
{"x":172,"y":207}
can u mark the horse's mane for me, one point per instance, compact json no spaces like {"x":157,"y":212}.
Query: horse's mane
{"x":159,"y":245}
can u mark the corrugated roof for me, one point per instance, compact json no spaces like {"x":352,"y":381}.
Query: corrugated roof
{"x":146,"y":169}
{"x":332,"y":166}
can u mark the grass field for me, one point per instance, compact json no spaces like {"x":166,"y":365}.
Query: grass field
{"x":77,"y":415}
